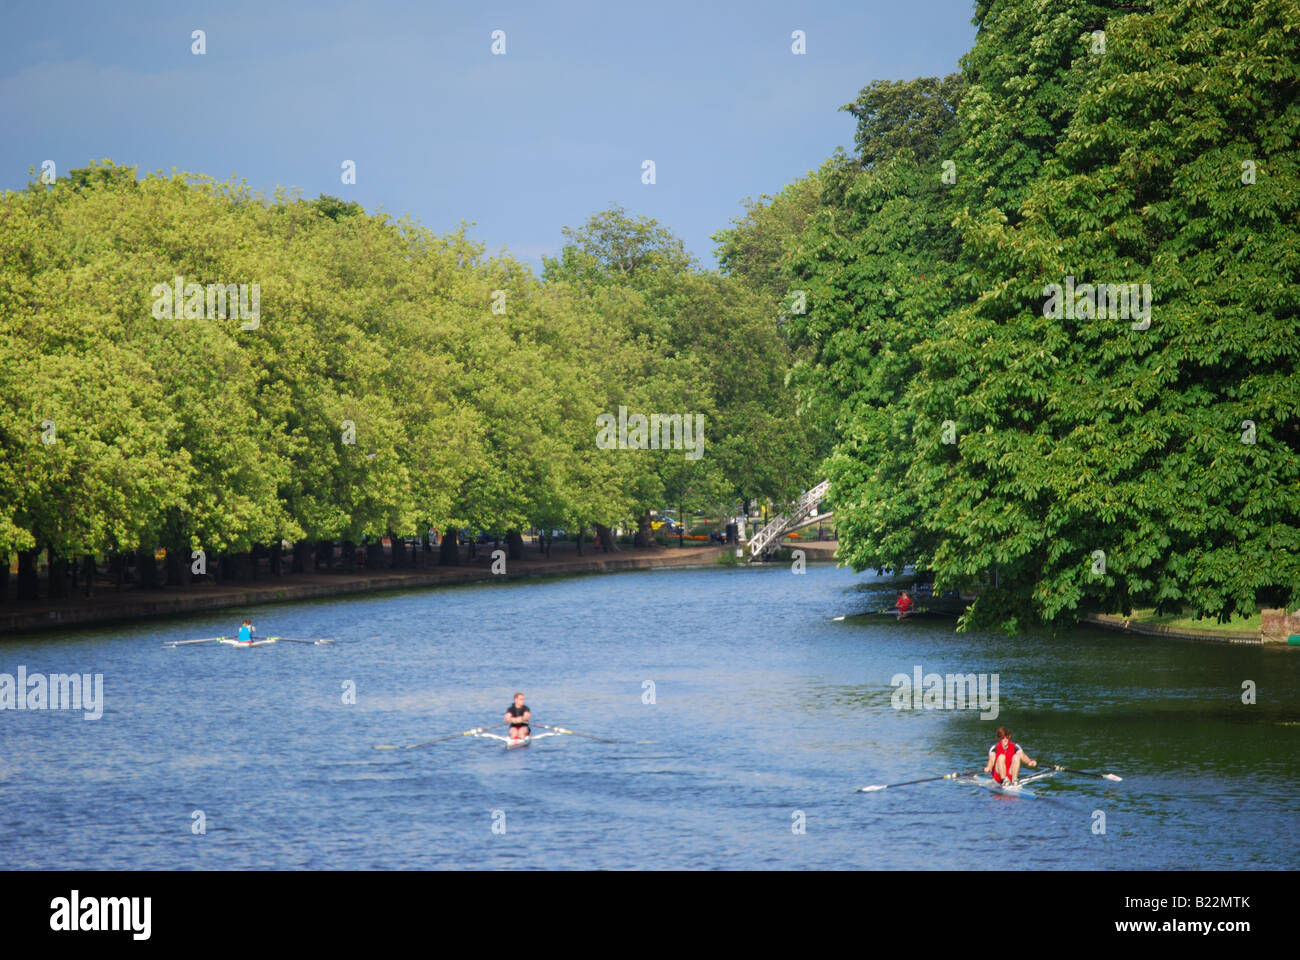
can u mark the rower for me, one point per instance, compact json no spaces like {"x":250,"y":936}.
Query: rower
{"x":518,"y":715}
{"x":1005,"y":759}
{"x":904,"y":604}
{"x":246,"y":632}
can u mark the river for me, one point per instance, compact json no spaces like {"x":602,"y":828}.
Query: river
{"x":766,"y":714}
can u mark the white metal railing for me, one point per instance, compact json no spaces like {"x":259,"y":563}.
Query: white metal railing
{"x":780,"y":524}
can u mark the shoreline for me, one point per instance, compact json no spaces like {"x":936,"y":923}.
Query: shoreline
{"x":132,"y":604}
{"x":1121,"y":624}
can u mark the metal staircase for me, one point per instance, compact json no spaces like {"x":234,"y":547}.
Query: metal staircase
{"x":767,"y":538}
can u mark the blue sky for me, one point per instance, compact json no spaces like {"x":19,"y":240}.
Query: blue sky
{"x":522,"y":144}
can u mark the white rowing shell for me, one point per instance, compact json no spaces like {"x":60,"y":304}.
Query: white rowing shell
{"x":255,"y":643}
{"x":513,"y":743}
{"x":1016,"y":791}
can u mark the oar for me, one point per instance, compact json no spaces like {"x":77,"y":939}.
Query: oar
{"x":575,"y":733}
{"x":908,"y":783}
{"x":181,"y":643}
{"x":451,"y":736}
{"x":1082,"y":773}
{"x":297,"y":640}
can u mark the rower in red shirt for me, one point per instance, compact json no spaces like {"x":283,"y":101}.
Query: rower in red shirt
{"x":1005,"y":759}
{"x":904,"y":604}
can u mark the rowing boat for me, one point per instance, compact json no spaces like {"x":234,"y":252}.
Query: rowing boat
{"x":1016,"y":789}
{"x":235,"y":641}
{"x":913,"y":613}
{"x":511,"y":743}
{"x":514,"y":743}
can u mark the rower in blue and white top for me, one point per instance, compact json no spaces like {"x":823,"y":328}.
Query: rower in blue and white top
{"x":246,"y":632}
{"x":518,"y":715}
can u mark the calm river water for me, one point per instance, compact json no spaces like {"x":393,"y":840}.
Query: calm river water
{"x":766,"y":714}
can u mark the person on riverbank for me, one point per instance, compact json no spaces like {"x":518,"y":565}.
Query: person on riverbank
{"x":1005,"y":758}
{"x":904,"y":605}
{"x":518,"y":715}
{"x":246,"y":632}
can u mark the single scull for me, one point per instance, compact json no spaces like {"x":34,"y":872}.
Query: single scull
{"x":236,"y":642}
{"x":511,"y":743}
{"x":1015,"y":790}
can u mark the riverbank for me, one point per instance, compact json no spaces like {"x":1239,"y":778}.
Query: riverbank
{"x":1146,"y":628}
{"x":1268,"y":627}
{"x":137,"y":604}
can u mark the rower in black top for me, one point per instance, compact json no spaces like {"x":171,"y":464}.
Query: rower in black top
{"x":518,"y":715}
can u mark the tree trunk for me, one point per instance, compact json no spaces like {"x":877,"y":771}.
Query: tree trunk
{"x":448,"y":552}
{"x":548,"y":546}
{"x":277,"y":550}
{"x":606,"y":535}
{"x":644,"y":535}
{"x":375,"y":554}
{"x":56,"y":587}
{"x":325,"y":554}
{"x":146,"y":570}
{"x":578,"y":540}
{"x":349,"y":556}
{"x":514,"y":545}
{"x":300,"y":550}
{"x":399,"y":550}
{"x":88,"y":568}
{"x":29,"y":582}
{"x":4,"y":578}
{"x":176,"y":570}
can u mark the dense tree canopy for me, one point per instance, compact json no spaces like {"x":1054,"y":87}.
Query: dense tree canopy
{"x":1105,"y":457}
{"x":316,"y":373}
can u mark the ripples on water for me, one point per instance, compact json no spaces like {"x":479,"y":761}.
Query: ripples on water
{"x":766,"y":710}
